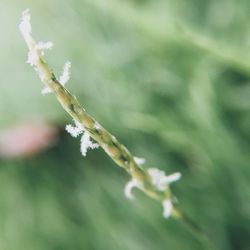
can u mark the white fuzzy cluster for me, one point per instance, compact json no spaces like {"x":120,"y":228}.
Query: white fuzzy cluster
{"x":86,"y":142}
{"x":64,"y":78}
{"x":25,"y":26}
{"x":167,"y":208}
{"x":32,"y":58}
{"x":45,"y":91}
{"x":133,"y":183}
{"x":36,"y":50}
{"x":160,"y":181}
{"x":129,"y":188}
{"x":75,"y":130}
{"x":43,"y":46}
{"x":139,"y":161}
{"x":26,"y":30}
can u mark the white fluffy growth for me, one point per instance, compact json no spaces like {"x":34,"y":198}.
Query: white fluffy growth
{"x":26,"y":30}
{"x":139,"y":161}
{"x":32,"y":58}
{"x":129,"y":187}
{"x":160,"y":180}
{"x":173,"y":177}
{"x":25,"y":26}
{"x":64,"y":78}
{"x":76,"y":130}
{"x":36,"y":50}
{"x":43,"y":46}
{"x":167,"y":208}
{"x":86,"y":142}
{"x":45,"y":91}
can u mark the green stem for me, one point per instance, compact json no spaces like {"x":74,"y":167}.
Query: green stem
{"x":117,"y":152}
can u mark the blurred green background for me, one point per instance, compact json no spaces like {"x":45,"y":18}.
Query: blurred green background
{"x":171,"y":79}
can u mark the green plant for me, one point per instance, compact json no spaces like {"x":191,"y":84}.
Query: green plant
{"x":151,"y":181}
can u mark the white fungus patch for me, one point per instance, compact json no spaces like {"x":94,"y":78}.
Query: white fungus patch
{"x":45,"y":91}
{"x":139,"y":161}
{"x":36,"y":52}
{"x":25,"y":26}
{"x":160,"y":180}
{"x":86,"y":142}
{"x":43,"y":46}
{"x":167,"y":208}
{"x":64,"y":78}
{"x":32,"y":58}
{"x":129,"y":187}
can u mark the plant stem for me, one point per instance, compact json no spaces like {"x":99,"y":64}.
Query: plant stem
{"x":117,"y":151}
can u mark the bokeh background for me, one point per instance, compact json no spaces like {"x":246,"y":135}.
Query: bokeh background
{"x":171,"y":79}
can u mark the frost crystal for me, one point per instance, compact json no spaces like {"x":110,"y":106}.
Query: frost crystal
{"x":160,"y":180}
{"x":25,"y":26}
{"x":32,"y":58}
{"x":167,"y":208}
{"x":45,"y":91}
{"x":42,"y":46}
{"x":129,"y":187}
{"x":36,"y":50}
{"x":76,"y":130}
{"x":64,"y":78}
{"x":86,"y":143}
{"x":139,"y":161}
